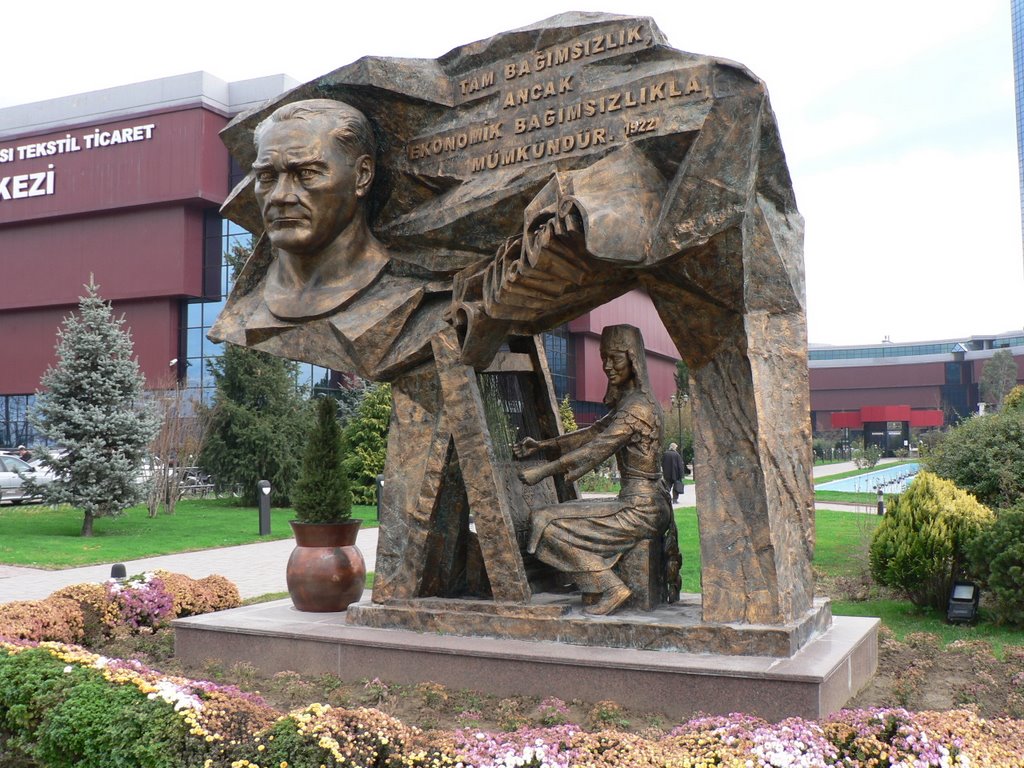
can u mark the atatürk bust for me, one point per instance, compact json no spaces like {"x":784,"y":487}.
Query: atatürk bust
{"x":313,"y":171}
{"x":329,"y":293}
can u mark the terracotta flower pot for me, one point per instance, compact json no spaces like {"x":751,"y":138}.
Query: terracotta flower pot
{"x":326,"y":571}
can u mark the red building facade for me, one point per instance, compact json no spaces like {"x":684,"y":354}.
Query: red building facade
{"x":122,"y":187}
{"x":921,"y":385}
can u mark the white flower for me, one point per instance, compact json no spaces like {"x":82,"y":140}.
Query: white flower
{"x":68,"y":669}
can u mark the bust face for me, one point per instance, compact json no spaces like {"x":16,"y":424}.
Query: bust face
{"x":306,"y":186}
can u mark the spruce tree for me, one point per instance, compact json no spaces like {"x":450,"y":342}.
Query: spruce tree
{"x":91,"y":405}
{"x":257,"y":425}
{"x":566,"y":416}
{"x":365,"y":441}
{"x":322,"y":493}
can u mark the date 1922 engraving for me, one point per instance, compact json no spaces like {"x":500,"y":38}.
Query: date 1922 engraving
{"x":633,"y":127}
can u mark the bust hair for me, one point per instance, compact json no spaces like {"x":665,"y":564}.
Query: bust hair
{"x":346,"y":124}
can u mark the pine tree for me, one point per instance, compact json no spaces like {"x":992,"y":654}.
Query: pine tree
{"x":92,"y":406}
{"x":366,"y":442}
{"x":566,"y":416}
{"x":322,"y":493}
{"x":257,"y":425}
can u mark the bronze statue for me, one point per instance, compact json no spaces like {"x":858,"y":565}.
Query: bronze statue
{"x":614,"y":162}
{"x":585,"y":539}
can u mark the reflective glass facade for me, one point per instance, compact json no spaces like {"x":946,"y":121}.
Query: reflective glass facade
{"x":198,"y":316}
{"x":14,"y":427}
{"x":559,"y":348}
{"x":913,"y":350}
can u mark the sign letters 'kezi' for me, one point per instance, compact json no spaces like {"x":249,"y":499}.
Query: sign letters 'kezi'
{"x":505,"y":188}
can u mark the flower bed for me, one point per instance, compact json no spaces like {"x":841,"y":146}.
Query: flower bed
{"x":84,"y":612}
{"x":61,"y":705}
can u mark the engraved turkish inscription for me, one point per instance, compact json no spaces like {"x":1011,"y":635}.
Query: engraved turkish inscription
{"x":540,"y":107}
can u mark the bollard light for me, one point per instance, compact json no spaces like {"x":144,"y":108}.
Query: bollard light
{"x":118,"y":571}
{"x":881,"y":502}
{"x":963,"y":602}
{"x":263,"y":499}
{"x":380,"y":493}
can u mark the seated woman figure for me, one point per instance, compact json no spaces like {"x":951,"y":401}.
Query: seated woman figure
{"x":586,"y":538}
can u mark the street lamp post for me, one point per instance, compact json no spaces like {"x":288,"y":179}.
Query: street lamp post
{"x":678,"y":399}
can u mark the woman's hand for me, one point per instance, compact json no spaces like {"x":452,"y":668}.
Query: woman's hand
{"x":525,"y":448}
{"x":531,"y":476}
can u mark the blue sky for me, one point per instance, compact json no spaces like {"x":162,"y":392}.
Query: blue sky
{"x":897,"y":119}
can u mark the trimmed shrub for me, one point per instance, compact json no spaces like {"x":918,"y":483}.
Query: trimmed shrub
{"x":55,"y":618}
{"x":98,"y":725}
{"x":99,"y":611}
{"x":193,"y":597}
{"x":996,"y":555}
{"x":318,"y":734}
{"x":221,"y":591}
{"x":84,"y":612}
{"x":62,"y":706}
{"x":918,"y":547}
{"x":322,"y":493}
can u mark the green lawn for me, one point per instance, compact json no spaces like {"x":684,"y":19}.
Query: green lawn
{"x":847,"y":497}
{"x":843,"y":539}
{"x":45,"y":537}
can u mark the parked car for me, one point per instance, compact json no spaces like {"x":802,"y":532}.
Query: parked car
{"x":13,"y":473}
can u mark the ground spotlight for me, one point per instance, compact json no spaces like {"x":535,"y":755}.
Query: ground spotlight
{"x":963,"y":602}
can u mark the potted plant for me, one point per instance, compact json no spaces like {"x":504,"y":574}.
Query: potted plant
{"x":326,"y":571}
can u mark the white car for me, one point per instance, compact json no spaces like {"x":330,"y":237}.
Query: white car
{"x":13,"y":472}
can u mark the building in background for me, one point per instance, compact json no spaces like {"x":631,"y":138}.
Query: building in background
{"x":886,"y":393}
{"x":124,"y":185}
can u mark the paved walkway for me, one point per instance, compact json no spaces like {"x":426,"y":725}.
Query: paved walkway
{"x":257,"y":569}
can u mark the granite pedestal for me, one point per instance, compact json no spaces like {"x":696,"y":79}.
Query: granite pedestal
{"x":819,"y":678}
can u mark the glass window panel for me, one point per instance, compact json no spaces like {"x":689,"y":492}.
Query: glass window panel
{"x":210,"y":348}
{"x":210,"y":311}
{"x":193,"y":342}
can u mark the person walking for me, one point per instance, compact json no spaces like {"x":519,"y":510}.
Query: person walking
{"x":673,"y":471}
